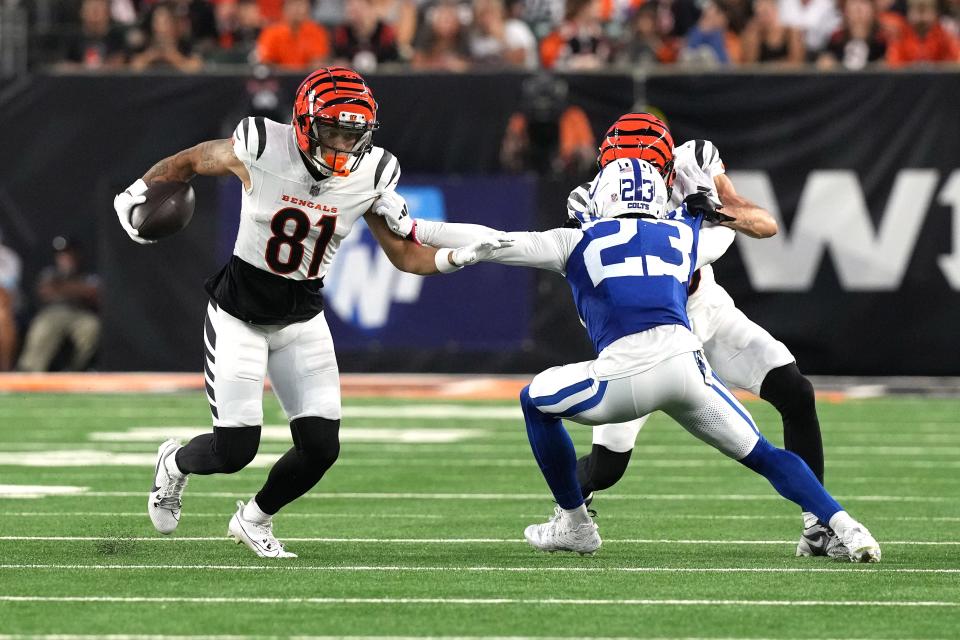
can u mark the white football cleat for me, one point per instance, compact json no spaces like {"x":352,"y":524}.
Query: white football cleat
{"x":861,"y":545}
{"x":258,"y":536}
{"x":164,"y":502}
{"x":560,"y":534}
{"x":820,"y":540}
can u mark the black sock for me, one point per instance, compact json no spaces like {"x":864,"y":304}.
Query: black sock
{"x":792,"y":395}
{"x":226,"y":450}
{"x":316,"y":447}
{"x":601,"y":469}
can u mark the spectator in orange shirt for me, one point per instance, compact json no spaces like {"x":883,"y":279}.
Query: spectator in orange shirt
{"x":892,"y":22}
{"x":925,"y":40}
{"x":296,"y":41}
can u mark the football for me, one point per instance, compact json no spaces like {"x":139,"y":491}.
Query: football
{"x":168,"y":209}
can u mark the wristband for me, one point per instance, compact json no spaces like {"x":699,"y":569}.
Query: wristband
{"x":442,"y":261}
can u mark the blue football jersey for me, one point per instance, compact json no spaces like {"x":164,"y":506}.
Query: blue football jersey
{"x":631,"y":274}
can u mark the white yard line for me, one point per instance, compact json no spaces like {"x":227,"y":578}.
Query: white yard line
{"x":679,"y":497}
{"x":631,"y":602}
{"x":477,"y":569}
{"x":319,"y":514}
{"x":267,"y":637}
{"x":461,"y":516}
{"x":418,"y":411}
{"x":433,"y":540}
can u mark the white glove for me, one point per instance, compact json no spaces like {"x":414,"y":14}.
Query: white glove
{"x":393,"y":209}
{"x":124,"y":204}
{"x":448,"y":260}
{"x":692,"y":179}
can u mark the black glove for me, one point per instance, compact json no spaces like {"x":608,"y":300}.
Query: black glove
{"x":702,"y":204}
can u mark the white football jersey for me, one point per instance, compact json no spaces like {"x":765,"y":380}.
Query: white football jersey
{"x":293,"y":219}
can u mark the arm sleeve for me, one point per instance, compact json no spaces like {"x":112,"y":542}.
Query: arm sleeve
{"x":451,"y":234}
{"x":714,"y":242}
{"x":548,"y":250}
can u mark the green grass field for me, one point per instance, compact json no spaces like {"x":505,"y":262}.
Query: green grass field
{"x":417,"y":531}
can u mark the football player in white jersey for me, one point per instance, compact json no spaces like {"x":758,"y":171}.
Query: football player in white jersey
{"x":742,"y":353}
{"x":629,"y":268}
{"x":305,"y":186}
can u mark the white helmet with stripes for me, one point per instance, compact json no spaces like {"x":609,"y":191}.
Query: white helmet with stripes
{"x":628,"y":186}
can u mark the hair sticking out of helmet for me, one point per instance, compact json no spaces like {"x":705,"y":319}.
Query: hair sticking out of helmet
{"x":334,"y":117}
{"x":642,"y":136}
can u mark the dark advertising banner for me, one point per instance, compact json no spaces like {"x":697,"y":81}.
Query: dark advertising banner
{"x":863,"y":172}
{"x":370,"y":304}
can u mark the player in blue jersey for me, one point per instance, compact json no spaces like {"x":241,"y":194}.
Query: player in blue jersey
{"x":629,"y":269}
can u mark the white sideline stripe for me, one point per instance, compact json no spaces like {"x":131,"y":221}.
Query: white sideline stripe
{"x":480,"y":569}
{"x":726,"y":497}
{"x":424,"y":516}
{"x":490,"y":601}
{"x":437,"y":540}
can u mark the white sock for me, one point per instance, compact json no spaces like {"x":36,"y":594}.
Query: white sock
{"x":253,"y":513}
{"x":578,"y":516}
{"x":809,"y":519}
{"x":170,"y":464}
{"x":841,"y":522}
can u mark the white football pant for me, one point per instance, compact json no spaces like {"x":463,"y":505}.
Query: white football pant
{"x":299,"y":358}
{"x":740,"y":351}
{"x":682,"y":387}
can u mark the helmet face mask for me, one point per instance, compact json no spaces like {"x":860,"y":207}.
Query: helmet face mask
{"x":334,"y":117}
{"x":337,"y":149}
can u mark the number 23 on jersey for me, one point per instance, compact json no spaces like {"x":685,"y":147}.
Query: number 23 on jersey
{"x":668,"y":260}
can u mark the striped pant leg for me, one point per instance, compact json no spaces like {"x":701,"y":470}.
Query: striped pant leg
{"x":235,"y":364}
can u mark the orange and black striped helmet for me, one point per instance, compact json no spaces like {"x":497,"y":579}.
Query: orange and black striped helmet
{"x":334,"y":117}
{"x":642,"y":136}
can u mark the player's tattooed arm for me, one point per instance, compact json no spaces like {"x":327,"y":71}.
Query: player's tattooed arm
{"x":748,"y":218}
{"x":210,"y":158}
{"x":406,"y":256}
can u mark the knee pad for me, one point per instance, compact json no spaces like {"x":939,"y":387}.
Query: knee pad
{"x":786,"y":388}
{"x":317,"y":439}
{"x":235,"y":447}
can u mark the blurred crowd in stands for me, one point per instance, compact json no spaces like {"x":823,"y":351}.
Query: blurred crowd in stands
{"x":460,"y":35}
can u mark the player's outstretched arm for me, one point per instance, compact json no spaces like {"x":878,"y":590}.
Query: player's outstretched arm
{"x":748,"y":218}
{"x":210,"y":158}
{"x":415,"y":258}
{"x":393,"y":209}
